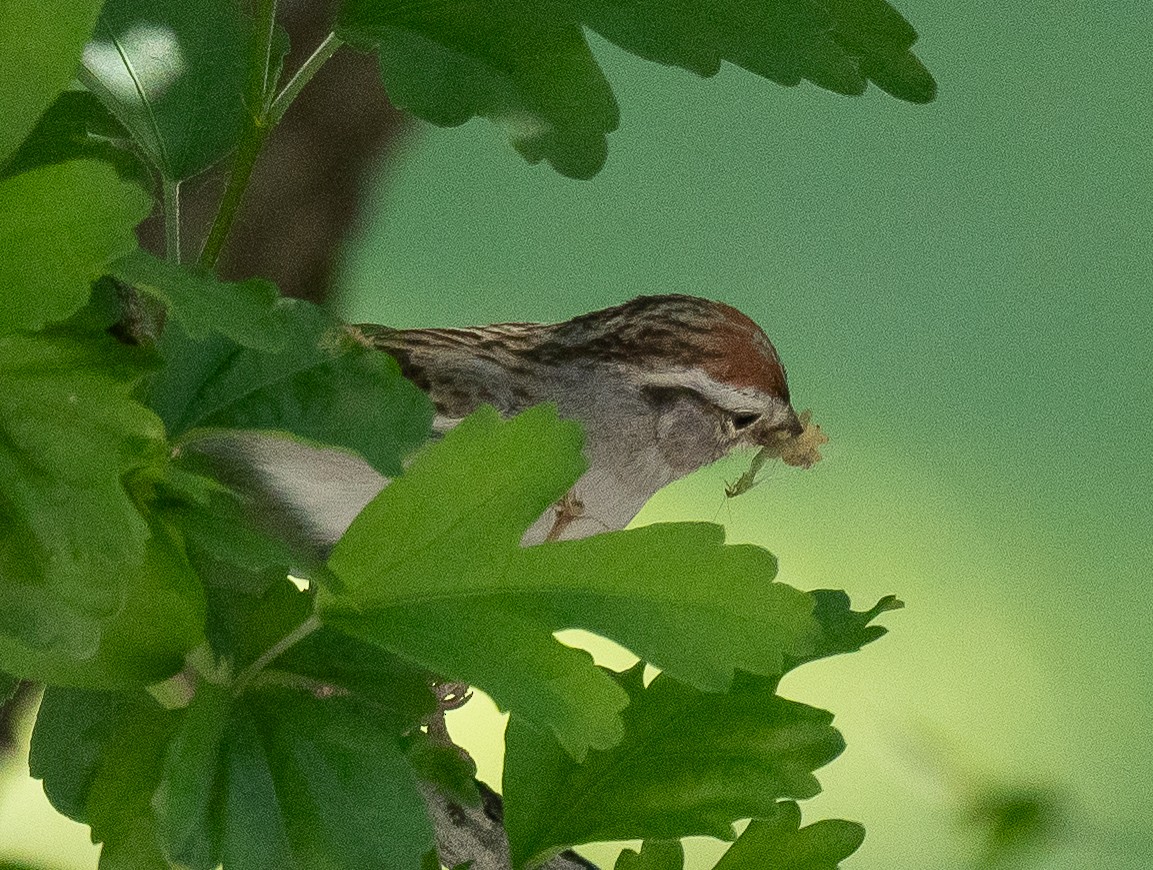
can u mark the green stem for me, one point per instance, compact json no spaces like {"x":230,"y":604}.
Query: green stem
{"x":253,"y":137}
{"x":253,"y":140}
{"x":302,"y":77}
{"x":171,"y":220}
{"x":309,"y":626}
{"x":242,"y":164}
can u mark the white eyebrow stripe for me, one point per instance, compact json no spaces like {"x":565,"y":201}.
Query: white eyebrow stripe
{"x":730,"y":398}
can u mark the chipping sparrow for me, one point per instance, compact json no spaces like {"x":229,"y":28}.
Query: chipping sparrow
{"x":661,"y":385}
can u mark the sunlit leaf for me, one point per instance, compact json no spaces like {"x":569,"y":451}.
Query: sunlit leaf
{"x":691,"y":762}
{"x":60,"y":225}
{"x":439,"y":550}
{"x":40,"y":47}
{"x":244,"y":311}
{"x":526,"y":64}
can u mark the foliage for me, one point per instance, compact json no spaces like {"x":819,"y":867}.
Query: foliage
{"x":200,"y":708}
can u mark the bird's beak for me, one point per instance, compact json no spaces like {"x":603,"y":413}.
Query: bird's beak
{"x":784,"y":425}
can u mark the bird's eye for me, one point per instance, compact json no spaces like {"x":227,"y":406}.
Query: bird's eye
{"x":744,"y":421}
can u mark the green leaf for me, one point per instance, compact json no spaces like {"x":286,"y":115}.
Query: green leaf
{"x":100,"y":755}
{"x":8,"y":687}
{"x":174,"y":74}
{"x":347,"y":795}
{"x":778,"y":842}
{"x":160,"y":618}
{"x":844,"y":630}
{"x":242,"y":626}
{"x":40,"y":47}
{"x":324,"y":386}
{"x":526,"y":64}
{"x":286,"y":779}
{"x":244,"y":312}
{"x":439,"y":551}
{"x":186,"y":800}
{"x":452,"y":771}
{"x":59,"y":226}
{"x":76,"y":126}
{"x":690,"y":763}
{"x":78,"y":562}
{"x":654,"y":855}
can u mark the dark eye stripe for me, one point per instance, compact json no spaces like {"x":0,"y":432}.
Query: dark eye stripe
{"x":744,"y":421}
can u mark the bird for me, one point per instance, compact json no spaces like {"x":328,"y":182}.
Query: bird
{"x":662,"y":385}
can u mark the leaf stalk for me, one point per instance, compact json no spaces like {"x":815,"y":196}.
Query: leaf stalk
{"x":171,"y":219}
{"x":302,"y":77}
{"x":266,"y":114}
{"x":245,"y":678}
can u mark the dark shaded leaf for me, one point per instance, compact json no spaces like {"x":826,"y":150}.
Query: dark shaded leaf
{"x":243,"y":625}
{"x":654,"y":855}
{"x":79,"y":564}
{"x":77,"y":126}
{"x":100,"y":755}
{"x":244,"y":311}
{"x":160,"y":617}
{"x":8,"y":687}
{"x":691,"y":762}
{"x":778,"y":842}
{"x":174,"y":74}
{"x":40,"y":47}
{"x":60,"y":225}
{"x":526,"y":64}
{"x":844,"y":630}
{"x":186,"y":802}
{"x":324,"y":386}
{"x":287,"y":779}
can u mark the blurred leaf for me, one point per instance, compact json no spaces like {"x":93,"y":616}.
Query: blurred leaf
{"x":76,"y":126}
{"x":186,"y":800}
{"x":74,"y":548}
{"x":8,"y":687}
{"x":654,"y":855}
{"x":59,"y":226}
{"x":1016,"y":821}
{"x":690,"y":763}
{"x":244,"y":312}
{"x":777,"y":842}
{"x":526,"y":65}
{"x":324,"y":386}
{"x":174,"y":73}
{"x":160,"y":617}
{"x":100,"y":755}
{"x":40,"y":47}
{"x":439,"y":551}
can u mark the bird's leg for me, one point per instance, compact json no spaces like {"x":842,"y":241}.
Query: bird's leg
{"x":449,"y":696}
{"x":567,"y":509}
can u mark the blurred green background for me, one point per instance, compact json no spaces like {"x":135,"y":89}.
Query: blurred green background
{"x":961,"y":294}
